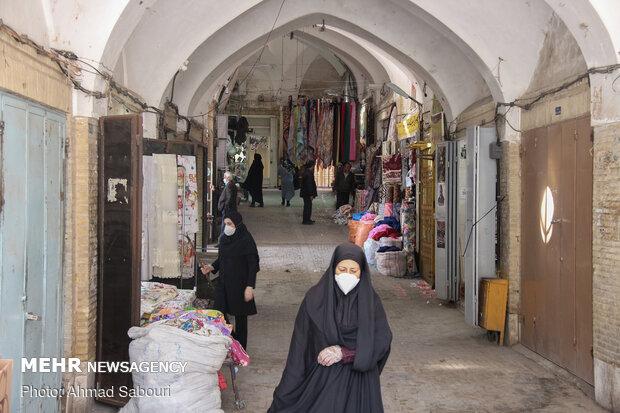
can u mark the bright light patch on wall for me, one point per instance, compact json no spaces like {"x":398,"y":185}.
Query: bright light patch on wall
{"x":546,"y":215}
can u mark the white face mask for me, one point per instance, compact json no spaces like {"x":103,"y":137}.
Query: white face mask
{"x":346,"y":282}
{"x":228,"y":230}
{"x":225,"y":181}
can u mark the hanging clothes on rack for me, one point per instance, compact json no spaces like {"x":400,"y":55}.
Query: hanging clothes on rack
{"x":286,"y":124}
{"x":353,"y":134}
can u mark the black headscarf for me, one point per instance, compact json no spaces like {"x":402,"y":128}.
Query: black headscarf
{"x":349,"y":319}
{"x":328,"y":317}
{"x":241,"y":242}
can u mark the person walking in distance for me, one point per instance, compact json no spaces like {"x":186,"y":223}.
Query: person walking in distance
{"x":228,"y":198}
{"x":254,"y":181}
{"x":308,"y":192}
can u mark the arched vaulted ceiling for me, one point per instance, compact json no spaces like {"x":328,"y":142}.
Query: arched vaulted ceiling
{"x":464,"y":51}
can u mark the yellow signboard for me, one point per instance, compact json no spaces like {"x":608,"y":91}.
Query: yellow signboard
{"x":409,"y":126}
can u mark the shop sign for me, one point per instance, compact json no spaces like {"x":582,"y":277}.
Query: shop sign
{"x":409,"y":126}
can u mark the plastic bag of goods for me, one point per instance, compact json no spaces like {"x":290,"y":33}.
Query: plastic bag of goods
{"x":353,"y":229}
{"x":392,"y":263}
{"x":363,"y":229}
{"x":391,"y":242}
{"x":195,"y":388}
{"x":370,"y":249}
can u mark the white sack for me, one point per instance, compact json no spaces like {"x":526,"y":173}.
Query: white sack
{"x":196,"y":390}
{"x":370,"y":249}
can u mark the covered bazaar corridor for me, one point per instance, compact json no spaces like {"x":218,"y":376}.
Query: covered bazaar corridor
{"x":469,"y":148}
{"x":438,"y":363}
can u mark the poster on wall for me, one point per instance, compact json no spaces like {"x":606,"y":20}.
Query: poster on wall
{"x":441,"y":234}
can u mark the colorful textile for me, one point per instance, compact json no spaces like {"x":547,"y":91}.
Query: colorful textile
{"x":391,"y":221}
{"x":286,"y":123}
{"x":357,"y":216}
{"x":343,"y":214}
{"x":353,"y":136}
{"x":391,"y":169}
{"x":238,"y":354}
{"x":388,"y":209}
{"x":381,"y":231}
{"x":221,"y":381}
{"x":369,"y":216}
{"x":153,"y":295}
{"x":187,"y":209}
{"x":326,"y":133}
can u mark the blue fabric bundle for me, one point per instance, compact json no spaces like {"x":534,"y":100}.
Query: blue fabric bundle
{"x":388,"y":248}
{"x":358,"y":216}
{"x":391,"y":221}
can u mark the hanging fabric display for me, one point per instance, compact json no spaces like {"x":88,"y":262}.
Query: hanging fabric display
{"x":165,"y":247}
{"x":392,"y":169}
{"x":286,"y":123}
{"x":353,"y":132}
{"x":187,"y":212}
{"x":321,"y":130}
{"x":326,"y":133}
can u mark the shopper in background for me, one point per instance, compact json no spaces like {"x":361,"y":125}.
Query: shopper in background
{"x":237,"y":263}
{"x":308,"y":192}
{"x":345,"y":185}
{"x":228,"y":198}
{"x":286,"y":172}
{"x":341,"y":342}
{"x":254,"y":181}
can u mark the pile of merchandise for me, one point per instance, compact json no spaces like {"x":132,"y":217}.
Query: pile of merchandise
{"x":156,"y":296}
{"x":343,"y":215}
{"x":380,"y":236}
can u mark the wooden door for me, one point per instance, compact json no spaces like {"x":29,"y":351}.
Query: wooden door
{"x":120,"y":189}
{"x":427,"y":217}
{"x":556,"y":249}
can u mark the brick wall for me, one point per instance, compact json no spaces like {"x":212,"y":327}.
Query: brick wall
{"x":85,"y":239}
{"x":606,"y":243}
{"x":80,"y":285}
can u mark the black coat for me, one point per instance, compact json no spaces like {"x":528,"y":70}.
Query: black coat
{"x":327,"y":317}
{"x":254,"y":180}
{"x":237,"y":263}
{"x":308,"y":184}
{"x":345,"y":183}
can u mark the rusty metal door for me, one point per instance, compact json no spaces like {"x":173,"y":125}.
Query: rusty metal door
{"x":427,"y":217}
{"x":120,"y":189}
{"x":556,"y":248}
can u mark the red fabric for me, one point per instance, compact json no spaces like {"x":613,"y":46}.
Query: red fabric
{"x":387,"y":232}
{"x":221,"y":381}
{"x":348,"y":355}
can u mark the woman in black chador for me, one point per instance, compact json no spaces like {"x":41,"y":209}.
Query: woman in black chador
{"x":254,"y":181}
{"x":237,"y":262}
{"x":340,"y":343}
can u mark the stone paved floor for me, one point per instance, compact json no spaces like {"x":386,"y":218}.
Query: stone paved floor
{"x":438,"y":363}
